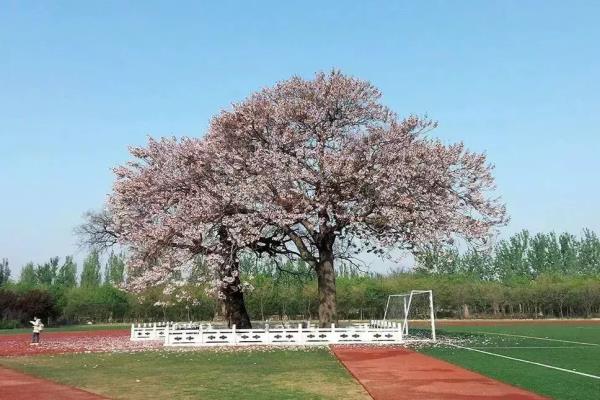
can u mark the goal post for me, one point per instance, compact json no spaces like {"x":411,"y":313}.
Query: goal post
{"x":414,"y":307}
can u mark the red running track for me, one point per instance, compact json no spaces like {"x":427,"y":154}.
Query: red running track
{"x":401,"y":374}
{"x":72,"y":342}
{"x":17,"y":386}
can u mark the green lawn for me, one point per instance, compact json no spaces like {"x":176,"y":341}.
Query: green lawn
{"x":208,"y":374}
{"x":584,"y":358}
{"x":68,"y":328}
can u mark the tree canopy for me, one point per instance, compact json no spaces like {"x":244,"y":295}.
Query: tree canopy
{"x":316,"y":170}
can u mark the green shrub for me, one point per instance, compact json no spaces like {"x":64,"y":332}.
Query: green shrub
{"x":9,"y":324}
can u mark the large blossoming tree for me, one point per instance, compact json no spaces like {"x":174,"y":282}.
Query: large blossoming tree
{"x":327,"y":171}
{"x":316,"y":170}
{"x":167,"y":208}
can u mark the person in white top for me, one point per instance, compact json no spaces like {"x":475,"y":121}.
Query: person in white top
{"x":38,"y":326}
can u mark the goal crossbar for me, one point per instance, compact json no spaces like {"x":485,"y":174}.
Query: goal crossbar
{"x":407,"y":300}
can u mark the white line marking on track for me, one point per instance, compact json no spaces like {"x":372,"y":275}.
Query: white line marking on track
{"x":530,"y":347}
{"x":527,"y":361}
{"x":538,"y":338}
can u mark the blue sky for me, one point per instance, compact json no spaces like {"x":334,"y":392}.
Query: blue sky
{"x":80,"y":81}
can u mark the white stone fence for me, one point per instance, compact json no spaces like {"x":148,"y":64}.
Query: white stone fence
{"x":156,"y":330}
{"x":196,"y":334}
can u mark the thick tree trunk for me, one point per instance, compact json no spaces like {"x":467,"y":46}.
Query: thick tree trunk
{"x":236,"y":313}
{"x":220,"y":311}
{"x":235,"y":308}
{"x":326,"y":282}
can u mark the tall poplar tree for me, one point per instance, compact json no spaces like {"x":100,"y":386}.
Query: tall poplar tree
{"x":90,"y":274}
{"x":28,"y":278}
{"x":114,"y":273}
{"x":67,"y":273}
{"x":4,"y":271}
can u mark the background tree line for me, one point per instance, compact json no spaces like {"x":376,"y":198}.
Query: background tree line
{"x":56,"y":291}
{"x":520,"y":257}
{"x":525,"y":276}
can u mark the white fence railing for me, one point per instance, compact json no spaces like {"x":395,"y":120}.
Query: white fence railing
{"x":157,"y":330}
{"x":282,"y":336}
{"x":190,"y":334}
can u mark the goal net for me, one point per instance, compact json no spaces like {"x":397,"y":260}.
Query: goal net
{"x":414,"y":312}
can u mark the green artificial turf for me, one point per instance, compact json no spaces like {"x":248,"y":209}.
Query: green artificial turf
{"x":580,"y":333}
{"x":205,"y":374}
{"x":553,"y":383}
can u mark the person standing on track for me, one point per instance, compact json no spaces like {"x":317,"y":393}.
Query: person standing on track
{"x":38,"y":326}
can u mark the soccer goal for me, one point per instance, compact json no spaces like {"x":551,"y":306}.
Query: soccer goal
{"x":414,"y":311}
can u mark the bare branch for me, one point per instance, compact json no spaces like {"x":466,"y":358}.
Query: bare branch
{"x":97,"y":231}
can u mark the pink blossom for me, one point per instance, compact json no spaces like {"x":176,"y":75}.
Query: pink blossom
{"x":313,"y":169}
